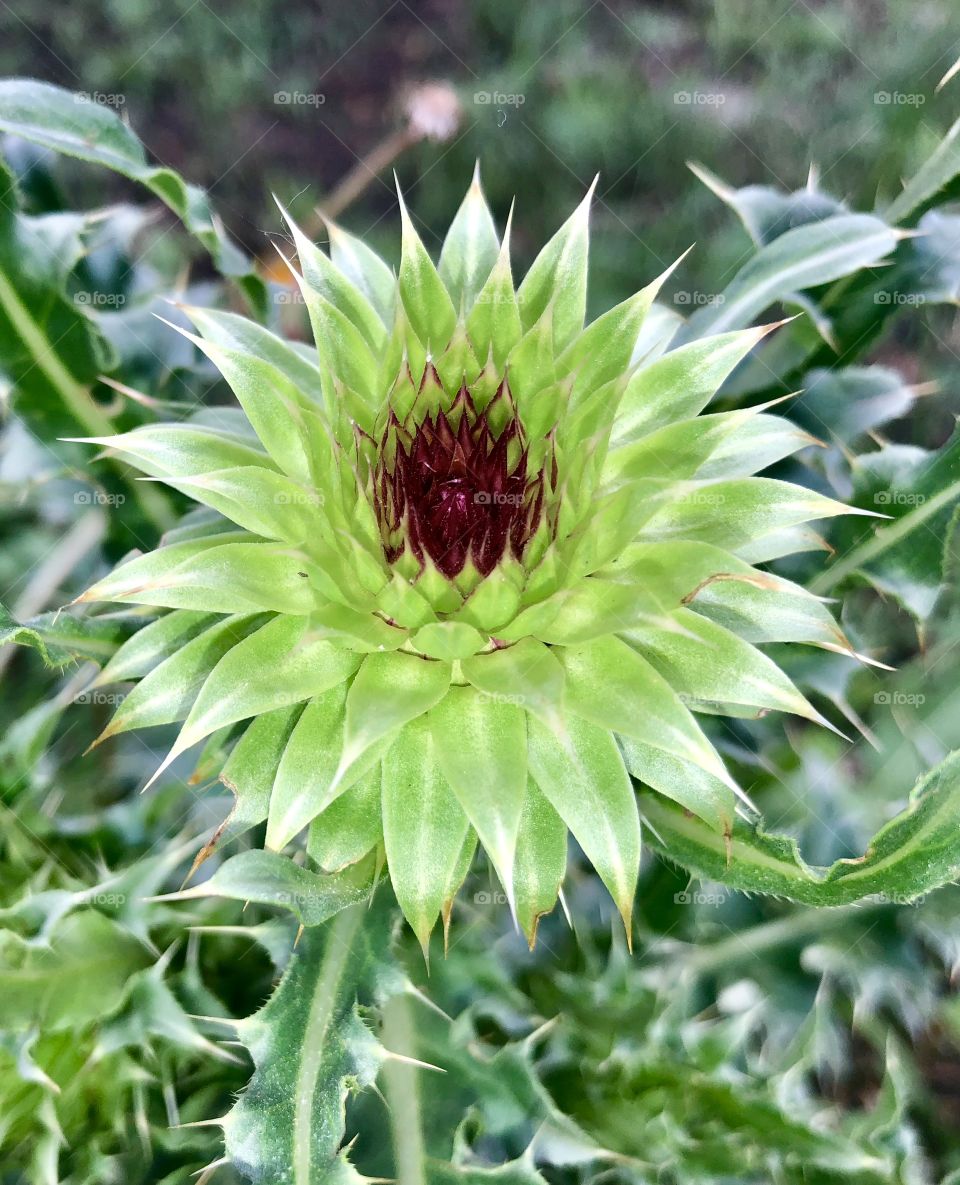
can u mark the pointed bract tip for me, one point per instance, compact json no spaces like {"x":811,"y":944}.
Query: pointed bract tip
{"x":625,"y":909}
{"x":505,"y":244}
{"x":710,"y":180}
{"x":404,"y":213}
{"x":669,"y":270}
{"x":772,"y":325}
{"x":565,"y":907}
{"x":288,"y":261}
{"x":175,"y":751}
{"x":192,"y":337}
{"x":423,"y":937}
{"x":104,"y":736}
{"x":331,"y":226}
{"x":583,"y":209}
{"x":818,"y":718}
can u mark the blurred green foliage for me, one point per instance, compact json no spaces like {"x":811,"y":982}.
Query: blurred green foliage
{"x":755,"y":89}
{"x":791,"y":1044}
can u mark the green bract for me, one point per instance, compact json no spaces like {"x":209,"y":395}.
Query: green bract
{"x":468,"y":569}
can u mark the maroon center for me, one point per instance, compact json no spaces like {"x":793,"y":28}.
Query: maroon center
{"x":457,"y":494}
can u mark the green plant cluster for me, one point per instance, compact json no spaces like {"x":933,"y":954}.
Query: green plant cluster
{"x":178,"y":999}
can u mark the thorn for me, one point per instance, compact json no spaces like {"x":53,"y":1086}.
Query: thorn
{"x":201,"y":857}
{"x":239,"y":930}
{"x":204,"y":1175}
{"x":284,"y":212}
{"x":711,"y":181}
{"x":541,"y":1030}
{"x":179,"y":746}
{"x":817,"y":718}
{"x":565,"y":907}
{"x":161,"y":965}
{"x":104,"y":736}
{"x":648,"y":824}
{"x":505,"y":243}
{"x":951,"y":73}
{"x":229,"y":1021}
{"x":389,"y":1055}
{"x":131,"y":392}
{"x":412,"y":990}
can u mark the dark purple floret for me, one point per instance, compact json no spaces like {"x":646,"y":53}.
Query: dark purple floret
{"x":453,"y":490}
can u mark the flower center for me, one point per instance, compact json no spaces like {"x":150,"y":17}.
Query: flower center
{"x":454,"y":489}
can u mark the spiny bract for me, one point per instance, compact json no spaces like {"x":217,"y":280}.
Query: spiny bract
{"x":467,"y":568}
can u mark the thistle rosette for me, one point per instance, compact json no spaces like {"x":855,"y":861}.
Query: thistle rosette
{"x":467,"y":569}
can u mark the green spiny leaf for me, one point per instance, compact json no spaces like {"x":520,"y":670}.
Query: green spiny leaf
{"x":424,"y":827}
{"x":311,"y":1048}
{"x":481,"y":746}
{"x":915,"y":852}
{"x":587,"y":784}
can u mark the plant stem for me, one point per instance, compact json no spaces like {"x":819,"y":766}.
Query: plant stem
{"x":401,"y":1090}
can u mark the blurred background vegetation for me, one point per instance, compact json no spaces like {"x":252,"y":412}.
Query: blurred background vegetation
{"x":252,"y":98}
{"x":756,"y":90}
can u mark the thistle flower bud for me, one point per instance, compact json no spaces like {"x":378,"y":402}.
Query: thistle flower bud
{"x":470,"y":571}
